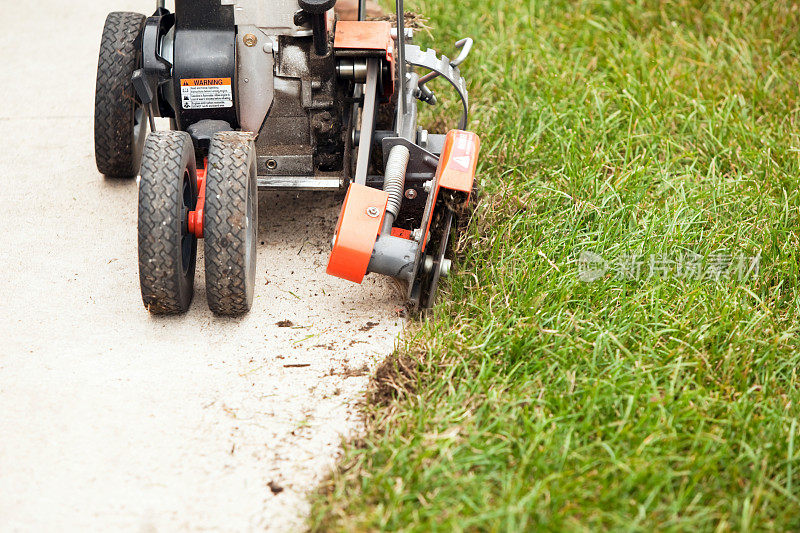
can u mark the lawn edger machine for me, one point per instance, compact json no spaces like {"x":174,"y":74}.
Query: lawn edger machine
{"x":278,"y":95}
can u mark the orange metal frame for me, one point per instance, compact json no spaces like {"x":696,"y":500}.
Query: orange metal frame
{"x":363,"y":35}
{"x":359,"y":224}
{"x":368,"y":35}
{"x":364,"y":208}
{"x":457,"y":166}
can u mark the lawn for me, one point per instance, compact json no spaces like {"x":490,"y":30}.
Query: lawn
{"x":656,"y":389}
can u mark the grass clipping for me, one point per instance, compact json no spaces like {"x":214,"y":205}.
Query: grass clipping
{"x":411,"y":20}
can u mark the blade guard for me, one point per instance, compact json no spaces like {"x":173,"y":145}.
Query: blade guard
{"x":359,"y":224}
{"x":457,"y":166}
{"x":459,"y":161}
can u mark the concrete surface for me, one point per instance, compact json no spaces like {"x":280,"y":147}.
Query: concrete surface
{"x":111,"y":419}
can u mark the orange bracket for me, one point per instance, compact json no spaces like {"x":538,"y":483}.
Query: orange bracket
{"x":367,"y":38}
{"x":402,"y":233}
{"x":356,"y":232}
{"x":195,"y":221}
{"x":459,"y":161}
{"x":457,"y":166}
{"x":363,"y":35}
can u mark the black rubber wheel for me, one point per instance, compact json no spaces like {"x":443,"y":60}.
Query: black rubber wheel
{"x":167,"y":251}
{"x":230,"y":224}
{"x":120,"y":124}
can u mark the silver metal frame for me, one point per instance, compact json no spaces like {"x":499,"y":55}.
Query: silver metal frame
{"x":367,"y":127}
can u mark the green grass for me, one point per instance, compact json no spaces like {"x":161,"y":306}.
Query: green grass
{"x":543,"y":402}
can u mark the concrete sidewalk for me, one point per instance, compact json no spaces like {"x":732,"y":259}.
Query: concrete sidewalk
{"x":111,"y":419}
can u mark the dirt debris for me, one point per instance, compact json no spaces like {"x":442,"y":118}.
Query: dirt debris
{"x":395,"y":377}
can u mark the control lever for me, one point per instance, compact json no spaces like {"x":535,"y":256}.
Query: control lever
{"x":145,"y":94}
{"x":319,"y":26}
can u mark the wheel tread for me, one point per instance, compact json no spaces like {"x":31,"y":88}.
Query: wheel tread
{"x":229,"y":168}
{"x":115,"y":96}
{"x":160,"y":189}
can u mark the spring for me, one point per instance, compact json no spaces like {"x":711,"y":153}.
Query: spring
{"x":394,"y":181}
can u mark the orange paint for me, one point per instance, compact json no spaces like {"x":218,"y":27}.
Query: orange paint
{"x":357,"y":231}
{"x":369,"y":36}
{"x":195,"y":220}
{"x":363,"y":35}
{"x":402,"y":233}
{"x":457,"y":166}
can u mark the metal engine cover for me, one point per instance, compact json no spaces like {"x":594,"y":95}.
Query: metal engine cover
{"x":288,"y":94}
{"x":204,"y":63}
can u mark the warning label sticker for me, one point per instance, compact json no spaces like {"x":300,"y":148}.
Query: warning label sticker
{"x":206,"y":93}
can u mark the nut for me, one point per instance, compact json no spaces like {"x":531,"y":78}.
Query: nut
{"x":373,"y":212}
{"x":272,"y":164}
{"x":250,"y":40}
{"x":411,"y":194}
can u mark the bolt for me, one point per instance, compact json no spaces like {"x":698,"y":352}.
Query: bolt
{"x":427,"y":264}
{"x":416,"y":235}
{"x":427,"y":186}
{"x":373,"y":212}
{"x":411,"y":194}
{"x":250,"y":40}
